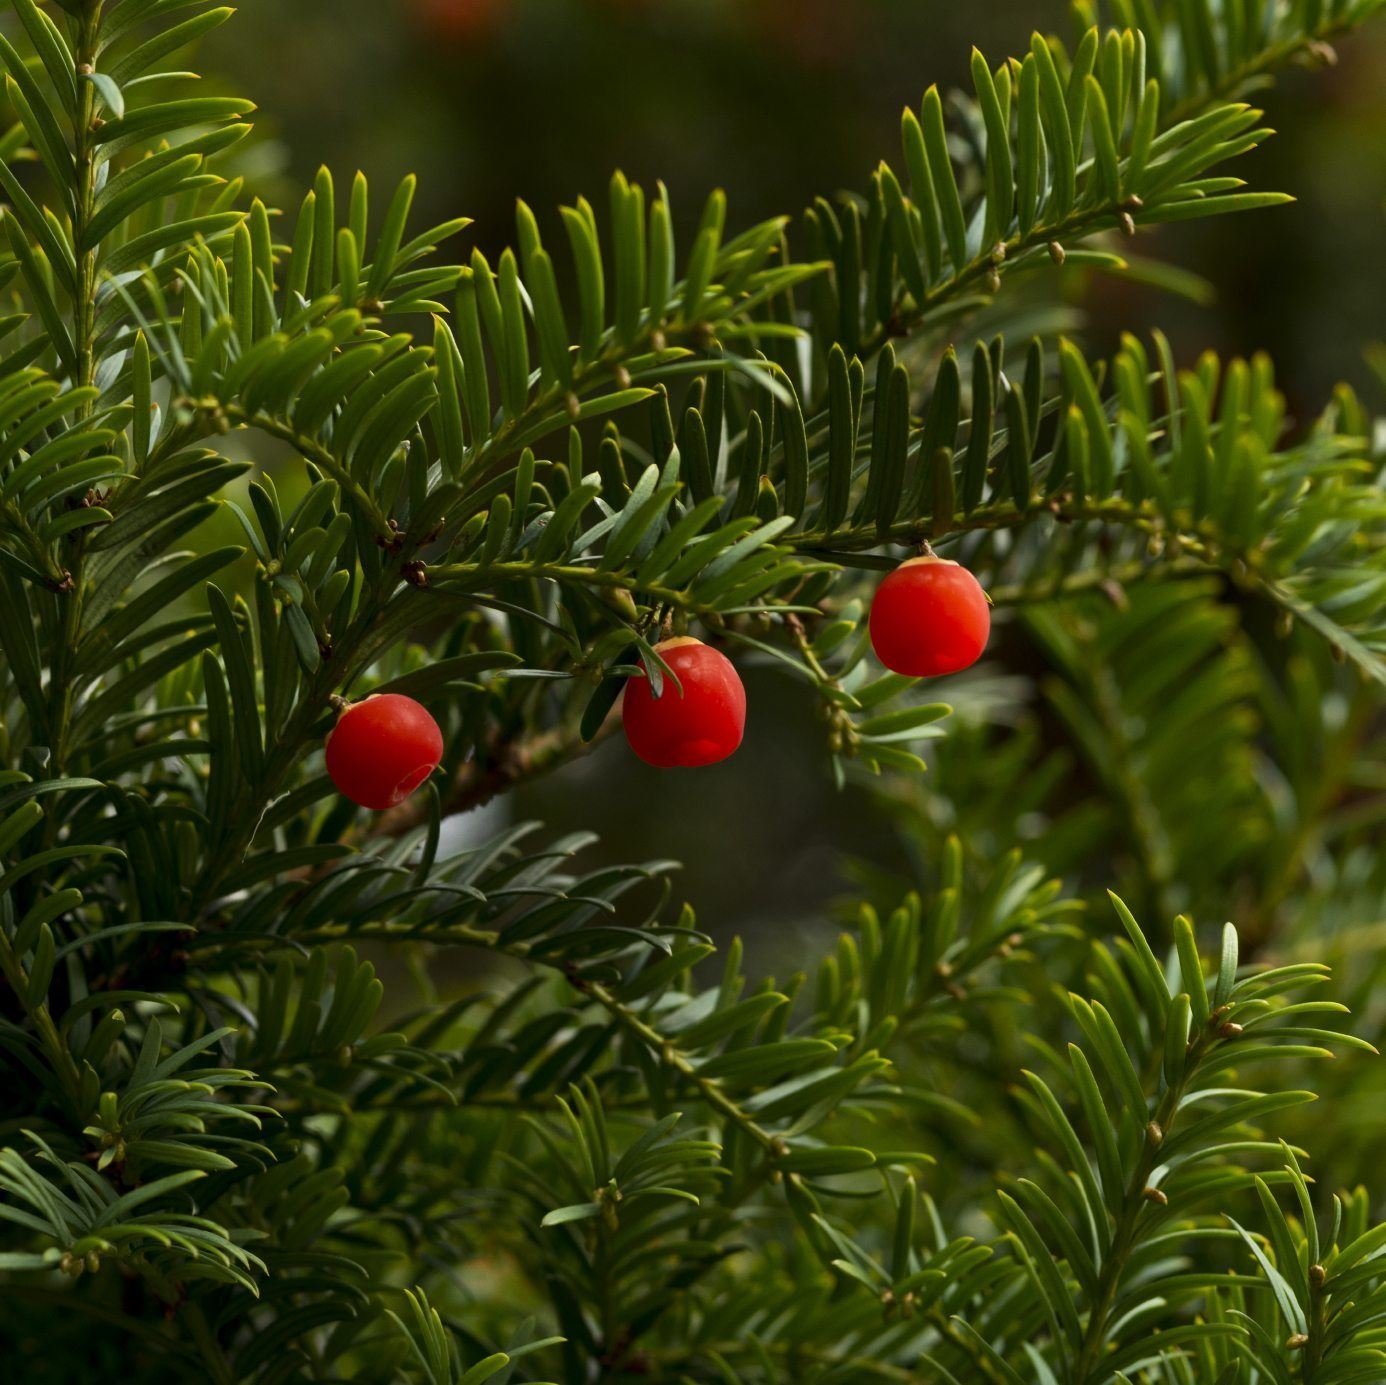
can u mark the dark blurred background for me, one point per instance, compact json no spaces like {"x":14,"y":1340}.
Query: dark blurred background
{"x":777,"y":101}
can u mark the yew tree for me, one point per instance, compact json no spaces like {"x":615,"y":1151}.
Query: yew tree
{"x":1007,"y":1128}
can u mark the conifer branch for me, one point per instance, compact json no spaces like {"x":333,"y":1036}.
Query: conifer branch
{"x":221,"y":1128}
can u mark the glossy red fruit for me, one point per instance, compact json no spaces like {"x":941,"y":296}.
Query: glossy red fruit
{"x":382,"y":749}
{"x":699,"y":725}
{"x":930,"y":616}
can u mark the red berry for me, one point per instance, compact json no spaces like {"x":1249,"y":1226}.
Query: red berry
{"x":699,"y":725}
{"x":929,"y":616}
{"x":382,"y":749}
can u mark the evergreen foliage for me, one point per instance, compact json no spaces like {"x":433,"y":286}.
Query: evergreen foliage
{"x":1005,"y":1131}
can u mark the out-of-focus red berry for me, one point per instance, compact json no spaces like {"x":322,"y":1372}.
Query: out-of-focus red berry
{"x":382,"y":749}
{"x":929,"y":617}
{"x":458,"y":20}
{"x":698,"y":725}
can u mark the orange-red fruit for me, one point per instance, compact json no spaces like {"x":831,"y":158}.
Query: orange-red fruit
{"x":930,"y":616}
{"x":382,"y":749}
{"x":698,"y":725}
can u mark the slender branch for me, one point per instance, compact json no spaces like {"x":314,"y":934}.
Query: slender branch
{"x":205,"y":418}
{"x":61,"y":684}
{"x":663,"y":1048}
{"x":882,"y":1370}
{"x":709,"y":1089}
{"x":1085,"y":222}
{"x":1109,"y":579}
{"x":841,"y":544}
{"x":213,"y":1358}
{"x":1202,"y":547}
{"x":507,"y":763}
{"x":961,"y":1342}
{"x":1134,"y":1204}
{"x":939,"y":983}
{"x":62,"y":1301}
{"x":84,"y":148}
{"x":1264,"y":63}
{"x":1318,"y":1343}
{"x":463,"y":578}
{"x":59,"y":1054}
{"x":618,"y":367}
{"x":512,"y":761}
{"x":995,"y":257}
{"x":1332,"y":785}
{"x":1114,"y":768}
{"x":794,"y":1351}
